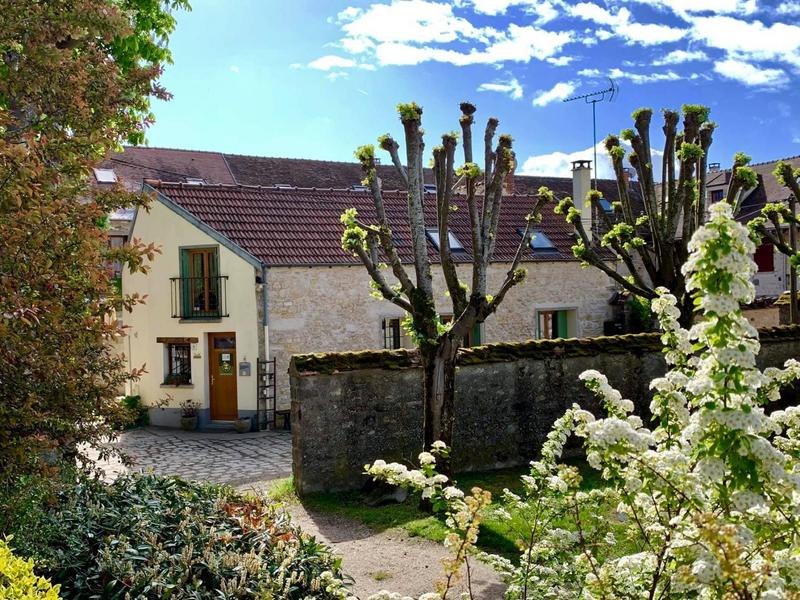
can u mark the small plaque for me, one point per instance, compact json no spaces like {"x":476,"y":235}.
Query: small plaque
{"x":244,"y":368}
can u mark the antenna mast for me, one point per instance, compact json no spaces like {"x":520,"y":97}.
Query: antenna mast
{"x":593,"y":98}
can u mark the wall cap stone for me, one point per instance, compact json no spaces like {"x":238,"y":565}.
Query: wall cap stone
{"x":326,"y":363}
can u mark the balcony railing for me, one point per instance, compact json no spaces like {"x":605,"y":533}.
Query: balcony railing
{"x":199,"y":297}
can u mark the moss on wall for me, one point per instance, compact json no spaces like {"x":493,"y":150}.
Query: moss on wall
{"x":638,"y":343}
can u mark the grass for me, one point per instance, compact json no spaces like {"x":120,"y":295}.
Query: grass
{"x":497,"y":535}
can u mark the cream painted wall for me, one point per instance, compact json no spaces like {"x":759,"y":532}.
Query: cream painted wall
{"x":154,"y":319}
{"x":325,"y":309}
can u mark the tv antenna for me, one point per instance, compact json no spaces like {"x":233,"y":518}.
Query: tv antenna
{"x":593,"y":98}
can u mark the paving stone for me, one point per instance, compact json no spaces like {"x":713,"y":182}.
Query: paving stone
{"x":216,"y":457}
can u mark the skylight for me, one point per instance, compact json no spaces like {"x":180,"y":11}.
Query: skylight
{"x":105,"y":175}
{"x":539,"y":241}
{"x":455,"y":245}
{"x":195,"y":180}
{"x":430,"y":188}
{"x":606,"y":206}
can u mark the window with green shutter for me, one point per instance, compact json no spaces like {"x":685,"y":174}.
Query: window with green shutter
{"x":200,"y":283}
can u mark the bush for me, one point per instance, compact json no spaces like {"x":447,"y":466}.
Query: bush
{"x":19,"y":582}
{"x":146,"y":536}
{"x":139,"y":413}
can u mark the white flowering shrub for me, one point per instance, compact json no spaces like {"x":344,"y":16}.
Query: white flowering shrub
{"x":705,"y":503}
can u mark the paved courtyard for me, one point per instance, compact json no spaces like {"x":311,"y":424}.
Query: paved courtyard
{"x":220,"y":457}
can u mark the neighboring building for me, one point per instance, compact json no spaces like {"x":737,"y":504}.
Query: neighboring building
{"x":254,"y":272}
{"x":773,"y":266}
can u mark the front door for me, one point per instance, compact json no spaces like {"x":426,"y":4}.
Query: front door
{"x":222,"y":376}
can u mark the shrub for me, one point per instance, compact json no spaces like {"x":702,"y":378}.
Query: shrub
{"x":19,"y":582}
{"x":146,"y":536}
{"x":139,"y":414}
{"x":703,"y":504}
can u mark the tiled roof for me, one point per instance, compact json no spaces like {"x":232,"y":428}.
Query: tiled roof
{"x":768,"y":189}
{"x":301,"y":226}
{"x":137,"y":163}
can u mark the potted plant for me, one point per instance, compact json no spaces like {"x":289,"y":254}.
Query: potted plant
{"x":189,"y":415}
{"x":243,"y":424}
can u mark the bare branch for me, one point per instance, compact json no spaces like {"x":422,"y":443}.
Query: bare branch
{"x":389,"y":144}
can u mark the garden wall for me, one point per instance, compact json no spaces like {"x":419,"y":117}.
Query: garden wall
{"x":351,"y":408}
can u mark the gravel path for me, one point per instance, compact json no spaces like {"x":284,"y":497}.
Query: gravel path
{"x":389,"y":560}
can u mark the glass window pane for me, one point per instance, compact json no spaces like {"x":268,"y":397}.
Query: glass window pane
{"x":226,"y":342}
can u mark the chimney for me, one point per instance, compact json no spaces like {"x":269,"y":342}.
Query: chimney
{"x":508,"y":184}
{"x":626,"y":175}
{"x":713,"y":167}
{"x":581,"y":185}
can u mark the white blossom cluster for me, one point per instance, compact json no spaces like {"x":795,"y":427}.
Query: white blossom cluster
{"x":703,"y":504}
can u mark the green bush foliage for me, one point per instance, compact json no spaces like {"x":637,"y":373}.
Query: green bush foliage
{"x":146,"y":536}
{"x":19,"y":582}
{"x":139,"y":415}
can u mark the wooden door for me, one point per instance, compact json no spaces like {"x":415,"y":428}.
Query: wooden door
{"x":222,"y":376}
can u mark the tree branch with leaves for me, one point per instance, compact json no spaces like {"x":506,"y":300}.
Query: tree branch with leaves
{"x":374,"y":245}
{"x":651,"y":239}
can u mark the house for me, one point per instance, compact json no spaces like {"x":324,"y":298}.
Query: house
{"x":253,"y":272}
{"x":773,"y":267}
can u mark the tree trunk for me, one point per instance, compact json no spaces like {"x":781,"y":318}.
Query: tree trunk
{"x":439,"y":366}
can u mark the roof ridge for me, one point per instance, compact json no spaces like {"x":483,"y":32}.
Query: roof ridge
{"x":764,"y":162}
{"x":143,"y":147}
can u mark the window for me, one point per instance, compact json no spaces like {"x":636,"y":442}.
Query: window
{"x":473,"y":338}
{"x":430,"y":188}
{"x":433,"y":236}
{"x":716,"y":195}
{"x":765,"y":258}
{"x":179,"y":364}
{"x":539,"y":242}
{"x":606,"y":206}
{"x":200,"y":282}
{"x":551,"y":324}
{"x":116,"y":241}
{"x":195,"y":180}
{"x":394,"y":336}
{"x":105,"y":175}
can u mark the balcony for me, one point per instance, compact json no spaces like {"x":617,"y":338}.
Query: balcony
{"x":199,"y":298}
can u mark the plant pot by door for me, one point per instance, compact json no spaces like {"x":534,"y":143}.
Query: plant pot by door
{"x":188,"y":423}
{"x":243,"y":425}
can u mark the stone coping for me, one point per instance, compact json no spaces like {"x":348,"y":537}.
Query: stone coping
{"x":326,"y":363}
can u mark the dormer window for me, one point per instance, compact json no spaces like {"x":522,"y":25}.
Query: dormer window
{"x":455,"y":245}
{"x":539,"y":241}
{"x":105,"y":175}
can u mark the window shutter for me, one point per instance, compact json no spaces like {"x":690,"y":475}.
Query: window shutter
{"x":476,"y":335}
{"x":186,"y":284}
{"x":563,"y":326}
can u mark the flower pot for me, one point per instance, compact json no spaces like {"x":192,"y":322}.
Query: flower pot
{"x":189,"y":423}
{"x":243,"y":425}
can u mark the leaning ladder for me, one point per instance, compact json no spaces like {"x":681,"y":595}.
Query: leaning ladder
{"x":266,"y":393}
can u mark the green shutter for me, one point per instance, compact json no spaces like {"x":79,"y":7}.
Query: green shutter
{"x":476,"y":335}
{"x":563,"y":326}
{"x":185,"y":285}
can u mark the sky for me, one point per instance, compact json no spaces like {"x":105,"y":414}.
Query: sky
{"x":318,"y":78}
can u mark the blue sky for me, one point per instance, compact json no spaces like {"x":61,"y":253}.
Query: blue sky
{"x":317,"y":78}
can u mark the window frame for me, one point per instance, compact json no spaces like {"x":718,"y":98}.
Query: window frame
{"x":570,"y":318}
{"x":173,"y":373}
{"x":455,"y":243}
{"x":209,"y":278}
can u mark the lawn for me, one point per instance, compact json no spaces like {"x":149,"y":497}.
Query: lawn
{"x":496,"y":536}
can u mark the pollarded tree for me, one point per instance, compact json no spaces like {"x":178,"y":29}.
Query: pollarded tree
{"x":373,"y":243}
{"x":652,"y":239}
{"x":781,"y":215}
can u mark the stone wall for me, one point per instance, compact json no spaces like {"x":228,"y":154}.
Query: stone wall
{"x":349,"y":409}
{"x":352,"y":318}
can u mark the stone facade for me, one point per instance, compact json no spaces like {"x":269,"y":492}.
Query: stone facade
{"x":330,"y":309}
{"x":350,"y":409}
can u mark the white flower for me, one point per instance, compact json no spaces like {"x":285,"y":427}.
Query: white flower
{"x":426,"y":458}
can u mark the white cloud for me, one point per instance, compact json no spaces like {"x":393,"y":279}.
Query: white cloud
{"x":791,"y":9}
{"x":234,"y":69}
{"x":646,"y":34}
{"x":559,"y":91}
{"x":683,"y":8}
{"x":418,"y":21}
{"x":637,"y":78}
{"x":544,"y":10}
{"x":559,"y":164}
{"x":334,"y":75}
{"x":519,"y":44}
{"x":677,"y":57}
{"x":750,"y":40}
{"x":750,"y":75}
{"x":511,"y":87}
{"x":796,"y":139}
{"x":330,"y":61}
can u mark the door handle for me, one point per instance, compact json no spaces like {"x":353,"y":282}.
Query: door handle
{"x":212,"y":380}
